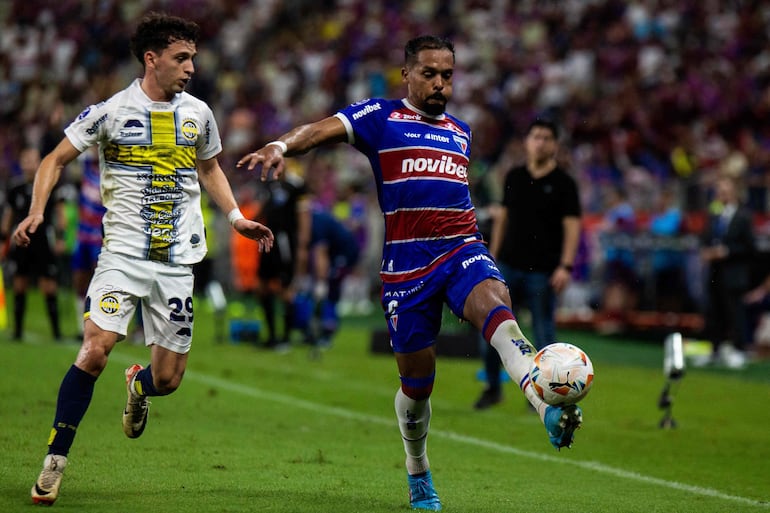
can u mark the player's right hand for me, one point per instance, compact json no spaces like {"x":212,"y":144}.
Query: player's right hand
{"x":26,"y":227}
{"x":269,"y":157}
{"x":256,"y":231}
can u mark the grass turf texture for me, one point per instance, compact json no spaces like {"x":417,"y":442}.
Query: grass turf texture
{"x":253,"y":430}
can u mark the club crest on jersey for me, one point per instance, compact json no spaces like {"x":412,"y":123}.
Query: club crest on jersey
{"x":190,"y":130}
{"x":461,"y":142}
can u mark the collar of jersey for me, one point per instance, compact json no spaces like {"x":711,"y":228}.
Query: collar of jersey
{"x":422,"y":113}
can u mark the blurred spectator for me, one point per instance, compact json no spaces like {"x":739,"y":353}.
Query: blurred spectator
{"x":352,"y":209}
{"x":758,"y":303}
{"x":330,"y":255}
{"x":282,"y":201}
{"x":244,"y":256}
{"x":620,"y":281}
{"x":727,"y":250}
{"x":38,"y":260}
{"x":668,"y":265}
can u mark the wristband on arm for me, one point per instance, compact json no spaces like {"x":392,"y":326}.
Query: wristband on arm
{"x":281,"y":145}
{"x":234,"y":215}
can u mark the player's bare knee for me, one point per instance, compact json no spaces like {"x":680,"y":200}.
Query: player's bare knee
{"x":92,"y":357}
{"x":485,"y":296}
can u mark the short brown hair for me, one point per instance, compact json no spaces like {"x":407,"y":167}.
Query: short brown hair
{"x":156,"y":31}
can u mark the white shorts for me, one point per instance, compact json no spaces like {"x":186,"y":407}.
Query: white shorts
{"x":165,"y":291}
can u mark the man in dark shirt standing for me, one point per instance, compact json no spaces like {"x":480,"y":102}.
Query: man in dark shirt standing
{"x":534,"y":240}
{"x":282,"y":201}
{"x":39,"y":259}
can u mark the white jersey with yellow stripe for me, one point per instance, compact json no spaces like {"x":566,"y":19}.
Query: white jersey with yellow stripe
{"x":149,"y":180}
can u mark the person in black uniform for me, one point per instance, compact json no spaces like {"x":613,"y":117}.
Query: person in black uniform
{"x":38,"y":260}
{"x":534,"y":239}
{"x":727,"y":248}
{"x":281,"y":202}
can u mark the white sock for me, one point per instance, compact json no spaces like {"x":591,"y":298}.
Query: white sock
{"x":517,"y":353}
{"x":414,"y":421}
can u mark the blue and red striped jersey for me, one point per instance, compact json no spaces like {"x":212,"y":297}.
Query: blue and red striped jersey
{"x":90,"y":208}
{"x":420,"y":165}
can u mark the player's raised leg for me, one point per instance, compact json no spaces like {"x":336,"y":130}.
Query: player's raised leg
{"x":162,"y":377}
{"x":516,"y":352}
{"x":501,"y":330}
{"x":137,"y":406}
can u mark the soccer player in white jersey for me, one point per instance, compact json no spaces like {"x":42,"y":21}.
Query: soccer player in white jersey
{"x":433,"y":252}
{"x":157,"y":144}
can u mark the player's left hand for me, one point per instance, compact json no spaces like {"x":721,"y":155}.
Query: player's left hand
{"x":269,"y":157}
{"x":257,"y":231}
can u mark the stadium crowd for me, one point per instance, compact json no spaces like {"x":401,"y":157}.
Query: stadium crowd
{"x":654,"y":97}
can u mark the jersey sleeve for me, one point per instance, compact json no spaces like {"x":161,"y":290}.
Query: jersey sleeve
{"x":209,"y":142}
{"x":89,"y":127}
{"x":364,"y":122}
{"x":571,"y":198}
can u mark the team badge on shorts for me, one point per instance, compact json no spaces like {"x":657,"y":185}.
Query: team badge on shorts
{"x":109,"y":304}
{"x":392,"y":315}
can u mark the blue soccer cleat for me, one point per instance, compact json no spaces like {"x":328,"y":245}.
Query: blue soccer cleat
{"x":422,"y":495}
{"x":561,"y":423}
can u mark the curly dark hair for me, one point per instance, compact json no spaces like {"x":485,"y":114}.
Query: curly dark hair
{"x":156,"y":31}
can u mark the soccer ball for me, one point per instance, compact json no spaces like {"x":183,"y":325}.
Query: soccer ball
{"x":561,"y":374}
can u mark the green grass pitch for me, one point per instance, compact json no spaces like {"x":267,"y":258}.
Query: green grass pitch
{"x":252,"y":430}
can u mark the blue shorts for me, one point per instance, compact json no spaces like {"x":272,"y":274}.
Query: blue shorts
{"x":85,"y":256}
{"x":413,"y":308}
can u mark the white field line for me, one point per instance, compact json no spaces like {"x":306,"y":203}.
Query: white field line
{"x":314,"y":407}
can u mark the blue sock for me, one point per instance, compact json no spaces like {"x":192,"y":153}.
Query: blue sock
{"x":75,"y":394}
{"x":143,"y":384}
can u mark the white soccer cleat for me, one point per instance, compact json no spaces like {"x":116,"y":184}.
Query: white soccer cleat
{"x":46,"y":488}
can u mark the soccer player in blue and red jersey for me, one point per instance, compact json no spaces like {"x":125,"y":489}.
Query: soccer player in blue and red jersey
{"x":433,"y":252}
{"x":89,"y":232}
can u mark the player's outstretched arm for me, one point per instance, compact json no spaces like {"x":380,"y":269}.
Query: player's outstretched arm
{"x":215,"y":182}
{"x":46,"y":177}
{"x":297,"y":141}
